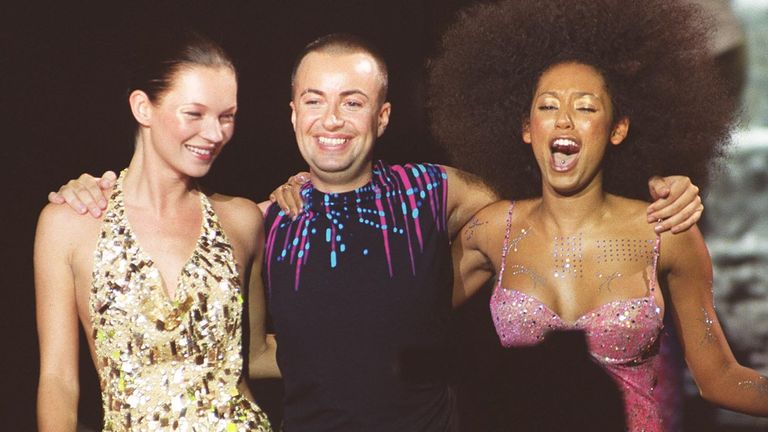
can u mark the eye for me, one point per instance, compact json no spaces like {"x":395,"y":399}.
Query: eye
{"x":547,"y":107}
{"x":193,"y":114}
{"x":228,"y":118}
{"x":352,"y":103}
{"x":587,"y":109}
{"x":312,"y":102}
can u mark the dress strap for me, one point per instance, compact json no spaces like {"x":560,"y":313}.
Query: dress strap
{"x":656,"y":252}
{"x":505,"y":248}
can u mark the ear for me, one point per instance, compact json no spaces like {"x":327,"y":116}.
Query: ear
{"x":383,"y":119}
{"x":527,"y":131}
{"x":141,"y":107}
{"x":620,"y":131}
{"x":293,"y":115}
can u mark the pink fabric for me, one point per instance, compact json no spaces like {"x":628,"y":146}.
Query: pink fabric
{"x":622,"y":337}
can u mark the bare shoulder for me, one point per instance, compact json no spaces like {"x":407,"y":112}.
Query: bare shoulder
{"x":630,"y":215}
{"x":627,"y":214}
{"x":494,"y":211}
{"x":240,"y":217}
{"x":491,"y":220}
{"x":628,"y":206}
{"x":66,"y":223}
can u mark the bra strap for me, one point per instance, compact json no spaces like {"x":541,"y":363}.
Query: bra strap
{"x":505,"y":248}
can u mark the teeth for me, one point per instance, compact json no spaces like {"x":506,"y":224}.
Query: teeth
{"x":197,"y":150}
{"x":331,"y":141}
{"x":565,"y":145}
{"x":564,"y":142}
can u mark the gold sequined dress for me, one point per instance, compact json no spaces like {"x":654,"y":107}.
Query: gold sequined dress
{"x":168,"y":364}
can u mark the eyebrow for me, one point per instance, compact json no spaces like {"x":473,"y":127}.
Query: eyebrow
{"x":344,"y":93}
{"x":578,"y":94}
{"x":202,"y":105}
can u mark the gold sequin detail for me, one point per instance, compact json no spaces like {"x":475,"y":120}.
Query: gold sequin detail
{"x":168,"y":364}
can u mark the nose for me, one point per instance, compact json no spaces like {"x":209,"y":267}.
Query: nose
{"x":332,"y":119}
{"x":564,"y":119}
{"x":212,"y":130}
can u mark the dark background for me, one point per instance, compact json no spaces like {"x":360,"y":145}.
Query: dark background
{"x":63,"y":111}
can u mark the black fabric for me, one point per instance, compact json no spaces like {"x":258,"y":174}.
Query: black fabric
{"x":359,"y":293}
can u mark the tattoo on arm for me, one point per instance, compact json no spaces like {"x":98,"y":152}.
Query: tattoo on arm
{"x":473,"y":225}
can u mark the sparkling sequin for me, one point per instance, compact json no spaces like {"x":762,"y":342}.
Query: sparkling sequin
{"x":168,"y":364}
{"x":514,"y":242}
{"x":623,"y":335}
{"x":760,"y":385}
{"x":708,"y":323}
{"x":568,"y":255}
{"x":624,"y":250}
{"x":536,"y":278}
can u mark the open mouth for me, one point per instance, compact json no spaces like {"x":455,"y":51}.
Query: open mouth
{"x":205,"y":153}
{"x":565,"y":152}
{"x":331,"y":142}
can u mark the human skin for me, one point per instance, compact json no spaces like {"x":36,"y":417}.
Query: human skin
{"x":573,"y":203}
{"x":178,"y":139}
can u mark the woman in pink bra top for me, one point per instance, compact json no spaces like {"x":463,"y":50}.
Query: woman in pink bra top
{"x":567,"y":106}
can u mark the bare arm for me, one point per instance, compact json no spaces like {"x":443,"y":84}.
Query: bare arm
{"x":721,"y":380}
{"x":262,"y":361}
{"x":243,"y":221}
{"x":467,"y":194}
{"x":472,"y":265}
{"x":57,"y":324}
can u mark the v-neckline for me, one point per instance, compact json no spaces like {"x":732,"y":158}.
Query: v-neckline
{"x":162,"y":284}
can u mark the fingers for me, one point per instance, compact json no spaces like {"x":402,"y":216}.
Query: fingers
{"x":295,"y":191}
{"x":678,"y":212}
{"x":55,"y":198}
{"x":293,"y":200}
{"x":288,"y":195}
{"x":682,"y":220}
{"x":658,"y":187}
{"x":84,"y":195}
{"x":107,"y":180}
{"x":283,"y":197}
{"x":300,"y":178}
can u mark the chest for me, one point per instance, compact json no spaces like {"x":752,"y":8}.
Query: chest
{"x":575,"y":274}
{"x":346,"y":276}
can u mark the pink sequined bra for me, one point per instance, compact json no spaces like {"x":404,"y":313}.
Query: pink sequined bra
{"x":622,"y":336}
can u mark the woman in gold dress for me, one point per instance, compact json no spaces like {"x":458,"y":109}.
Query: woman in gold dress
{"x":157,"y":281}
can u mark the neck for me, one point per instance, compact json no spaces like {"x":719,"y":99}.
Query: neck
{"x":155,"y":186}
{"x":571,"y":213}
{"x":342,"y":181}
